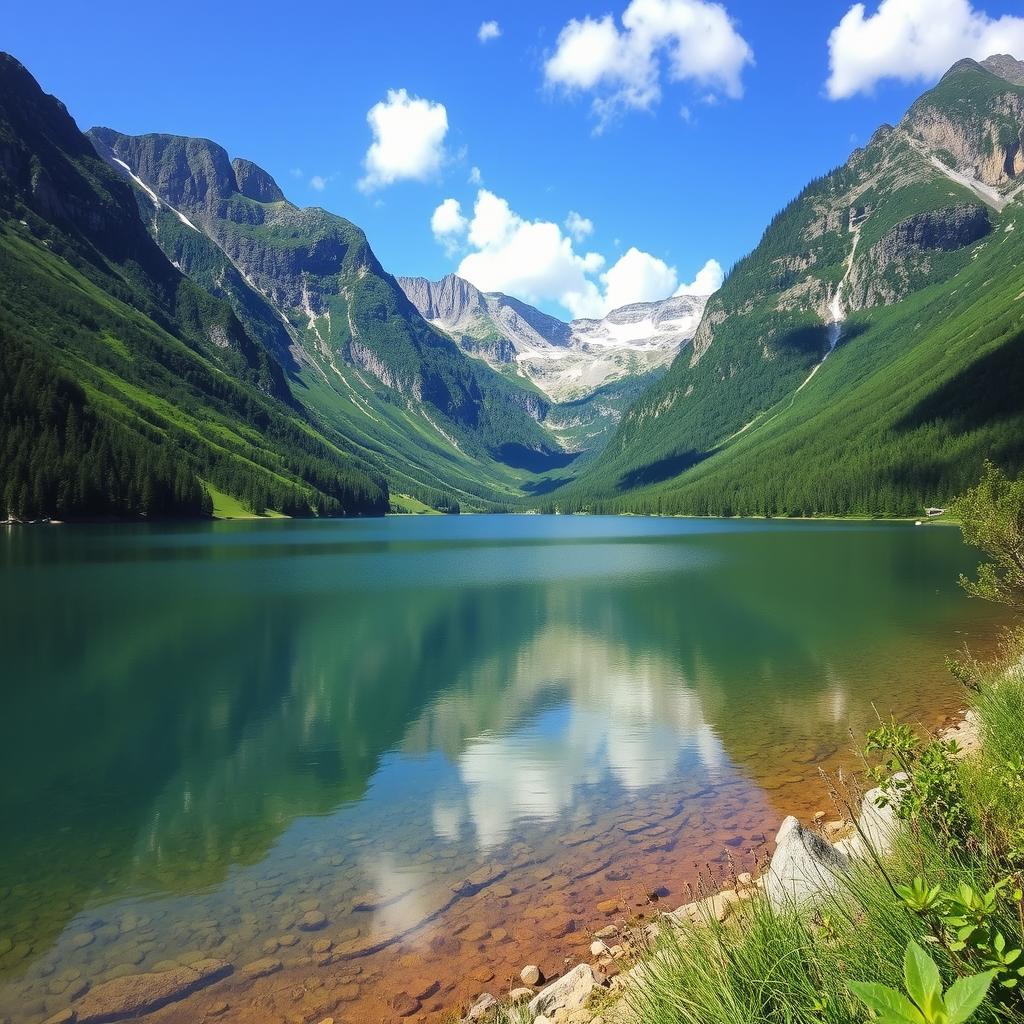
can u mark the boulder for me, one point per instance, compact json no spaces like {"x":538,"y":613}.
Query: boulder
{"x":569,"y":992}
{"x":137,"y":994}
{"x":520,"y":995}
{"x":803,"y":866}
{"x":876,"y":825}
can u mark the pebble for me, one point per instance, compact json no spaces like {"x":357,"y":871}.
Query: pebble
{"x":83,"y":939}
{"x":312,"y":920}
{"x":608,"y":906}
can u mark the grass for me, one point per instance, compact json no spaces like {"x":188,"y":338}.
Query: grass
{"x":226,"y":506}
{"x":765,"y":966}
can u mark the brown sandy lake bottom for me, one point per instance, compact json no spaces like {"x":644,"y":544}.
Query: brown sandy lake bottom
{"x":393,"y":761}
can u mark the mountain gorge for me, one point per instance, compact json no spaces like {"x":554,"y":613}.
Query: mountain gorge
{"x":180,"y":337}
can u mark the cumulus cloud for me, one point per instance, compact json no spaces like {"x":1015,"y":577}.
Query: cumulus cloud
{"x":578,"y":226}
{"x":475,"y":177}
{"x":708,"y":280}
{"x":637,"y":276}
{"x":913,"y":40}
{"x":449,"y":225}
{"x":693,"y":40}
{"x":487,"y":31}
{"x":537,"y":261}
{"x":408,"y":140}
{"x":318,"y":182}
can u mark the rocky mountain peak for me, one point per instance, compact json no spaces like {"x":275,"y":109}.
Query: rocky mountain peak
{"x":1005,"y":66}
{"x":255,"y":183}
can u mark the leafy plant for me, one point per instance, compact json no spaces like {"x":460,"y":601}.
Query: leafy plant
{"x":964,"y":920}
{"x":920,"y":780}
{"x":927,"y":1002}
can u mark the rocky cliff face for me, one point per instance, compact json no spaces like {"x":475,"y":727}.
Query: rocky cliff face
{"x":901,"y":259}
{"x":567,"y":361}
{"x":973,"y":121}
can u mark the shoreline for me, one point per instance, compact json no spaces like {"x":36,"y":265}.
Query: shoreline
{"x":595,"y":991}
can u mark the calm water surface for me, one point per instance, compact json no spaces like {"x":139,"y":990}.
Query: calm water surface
{"x":449,"y":737}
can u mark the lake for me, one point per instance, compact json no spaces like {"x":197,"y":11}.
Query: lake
{"x":413,"y":754}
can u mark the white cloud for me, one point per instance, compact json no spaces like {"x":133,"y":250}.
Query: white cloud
{"x":447,"y":219}
{"x":637,"y":276}
{"x":475,"y":177}
{"x":913,"y":40}
{"x":578,"y":226}
{"x":488,"y":30}
{"x":695,"y":38}
{"x":296,"y":172}
{"x":535,"y":260}
{"x":708,"y":280}
{"x":318,"y":182}
{"x":408,"y":140}
{"x":449,"y":225}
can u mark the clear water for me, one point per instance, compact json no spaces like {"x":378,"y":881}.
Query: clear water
{"x":451,"y":737}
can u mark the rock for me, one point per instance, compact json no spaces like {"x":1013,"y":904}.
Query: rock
{"x":291,"y":939}
{"x":520,"y":995}
{"x":65,"y":1016}
{"x":217,"y":1009}
{"x":312,"y":921}
{"x":569,"y":992}
{"x":608,"y":906}
{"x":833,"y":831}
{"x":142,"y":993}
{"x":261,"y":968}
{"x":83,"y":939}
{"x":404,"y":1004}
{"x":322,"y":946}
{"x":597,"y":947}
{"x":877,"y":824}
{"x":819,"y":817}
{"x":745,"y":880}
{"x":711,"y":908}
{"x":530,"y":975}
{"x":803,"y":866}
{"x":482,"y":1008}
{"x":609,"y":931}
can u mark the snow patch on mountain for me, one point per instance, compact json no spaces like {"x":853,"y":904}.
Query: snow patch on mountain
{"x":567,"y":361}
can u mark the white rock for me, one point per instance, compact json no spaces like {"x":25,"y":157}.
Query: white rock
{"x":482,"y":1008}
{"x":569,"y":992}
{"x":803,"y":866}
{"x":597,"y":948}
{"x":520,"y":995}
{"x":877,"y":825}
{"x":530,"y":974}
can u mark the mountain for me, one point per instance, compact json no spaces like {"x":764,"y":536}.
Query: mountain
{"x":567,"y":361}
{"x":129,"y":390}
{"x":868,"y":353}
{"x":307,"y":283}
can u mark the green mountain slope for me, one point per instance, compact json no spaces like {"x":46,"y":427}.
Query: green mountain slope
{"x":125,"y":386}
{"x":906,"y":262}
{"x":307,"y":283}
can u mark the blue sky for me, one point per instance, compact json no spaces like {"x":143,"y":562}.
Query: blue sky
{"x":673,"y":144}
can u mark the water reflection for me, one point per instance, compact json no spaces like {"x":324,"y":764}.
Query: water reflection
{"x":363,"y":715}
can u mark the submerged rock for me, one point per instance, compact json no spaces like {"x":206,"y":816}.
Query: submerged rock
{"x":137,"y":994}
